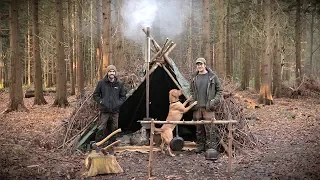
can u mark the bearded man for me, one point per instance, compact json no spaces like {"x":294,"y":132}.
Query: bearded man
{"x":206,"y":89}
{"x":110,"y":94}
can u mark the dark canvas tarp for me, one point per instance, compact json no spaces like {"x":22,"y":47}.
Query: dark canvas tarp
{"x":134,"y":108}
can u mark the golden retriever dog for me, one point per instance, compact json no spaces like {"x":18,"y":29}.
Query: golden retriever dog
{"x":176,"y":111}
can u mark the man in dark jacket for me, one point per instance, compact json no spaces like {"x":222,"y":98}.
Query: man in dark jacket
{"x":206,"y":89}
{"x":110,"y":95}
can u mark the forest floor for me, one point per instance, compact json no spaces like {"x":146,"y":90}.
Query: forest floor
{"x":288,"y":134}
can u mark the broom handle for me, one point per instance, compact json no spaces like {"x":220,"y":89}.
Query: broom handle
{"x":108,"y":137}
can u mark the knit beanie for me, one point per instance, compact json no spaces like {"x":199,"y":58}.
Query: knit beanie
{"x":111,"y":67}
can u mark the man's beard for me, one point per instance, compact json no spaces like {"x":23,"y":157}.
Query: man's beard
{"x":111,"y":77}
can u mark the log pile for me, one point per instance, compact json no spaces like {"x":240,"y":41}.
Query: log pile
{"x":31,"y":93}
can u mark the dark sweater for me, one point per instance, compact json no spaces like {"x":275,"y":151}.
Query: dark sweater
{"x":202,"y":81}
{"x":109,"y":95}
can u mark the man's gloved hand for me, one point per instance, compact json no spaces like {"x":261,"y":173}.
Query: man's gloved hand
{"x":210,"y":105}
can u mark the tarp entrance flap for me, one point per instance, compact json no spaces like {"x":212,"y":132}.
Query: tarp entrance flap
{"x":181,"y":79}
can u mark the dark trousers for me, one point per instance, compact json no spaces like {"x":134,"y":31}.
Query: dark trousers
{"x":205,"y":130}
{"x":107,"y":123}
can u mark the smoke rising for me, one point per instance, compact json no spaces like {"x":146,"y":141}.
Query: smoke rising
{"x":167,"y":17}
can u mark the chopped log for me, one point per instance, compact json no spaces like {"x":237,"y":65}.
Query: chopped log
{"x":31,"y":93}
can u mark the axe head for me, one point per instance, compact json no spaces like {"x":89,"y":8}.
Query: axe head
{"x":94,"y":146}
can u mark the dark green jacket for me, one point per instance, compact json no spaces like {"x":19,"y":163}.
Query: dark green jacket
{"x":214,"y":90}
{"x":109,"y":95}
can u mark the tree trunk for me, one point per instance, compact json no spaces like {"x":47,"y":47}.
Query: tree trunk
{"x":190,"y":52}
{"x":15,"y":90}
{"x":39,"y":98}
{"x":206,"y":32}
{"x":25,"y":77}
{"x":229,"y":63}
{"x":98,"y":39}
{"x":298,"y":43}
{"x":276,"y":87}
{"x":71,"y":44}
{"x":245,"y":62}
{"x":2,"y":54}
{"x":7,"y":74}
{"x":80,"y":75}
{"x":61,"y":95}
{"x":106,"y":12}
{"x":258,"y":53}
{"x":53,"y":72}
{"x":28,"y":48}
{"x":265,"y":96}
{"x":220,"y":63}
{"x":91,"y":81}
{"x":118,"y":53}
{"x":311,"y":41}
{"x":76,"y":47}
{"x":49,"y":72}
{"x":257,"y":69}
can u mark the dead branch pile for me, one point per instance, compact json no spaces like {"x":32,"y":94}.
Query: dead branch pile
{"x":232,"y":109}
{"x":130,"y":80}
{"x":86,"y":112}
{"x":309,"y":87}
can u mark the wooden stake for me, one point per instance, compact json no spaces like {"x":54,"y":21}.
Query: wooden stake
{"x":156,"y":45}
{"x":151,"y":149}
{"x":229,"y":148}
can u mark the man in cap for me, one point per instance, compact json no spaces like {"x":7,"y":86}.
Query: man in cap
{"x":110,"y":95}
{"x":206,"y":89}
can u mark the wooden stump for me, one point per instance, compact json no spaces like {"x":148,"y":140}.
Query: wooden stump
{"x":97,"y":163}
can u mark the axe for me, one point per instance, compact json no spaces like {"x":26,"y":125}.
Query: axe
{"x":95,"y":145}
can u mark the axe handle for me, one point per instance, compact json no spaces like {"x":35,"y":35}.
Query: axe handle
{"x":107,"y":147}
{"x":108,"y":137}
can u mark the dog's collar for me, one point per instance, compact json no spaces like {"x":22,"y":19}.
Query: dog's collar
{"x":174,"y":102}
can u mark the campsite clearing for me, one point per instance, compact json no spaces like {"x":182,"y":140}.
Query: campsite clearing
{"x":288,"y":133}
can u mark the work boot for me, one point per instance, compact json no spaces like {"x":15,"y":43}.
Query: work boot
{"x":200,"y":148}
